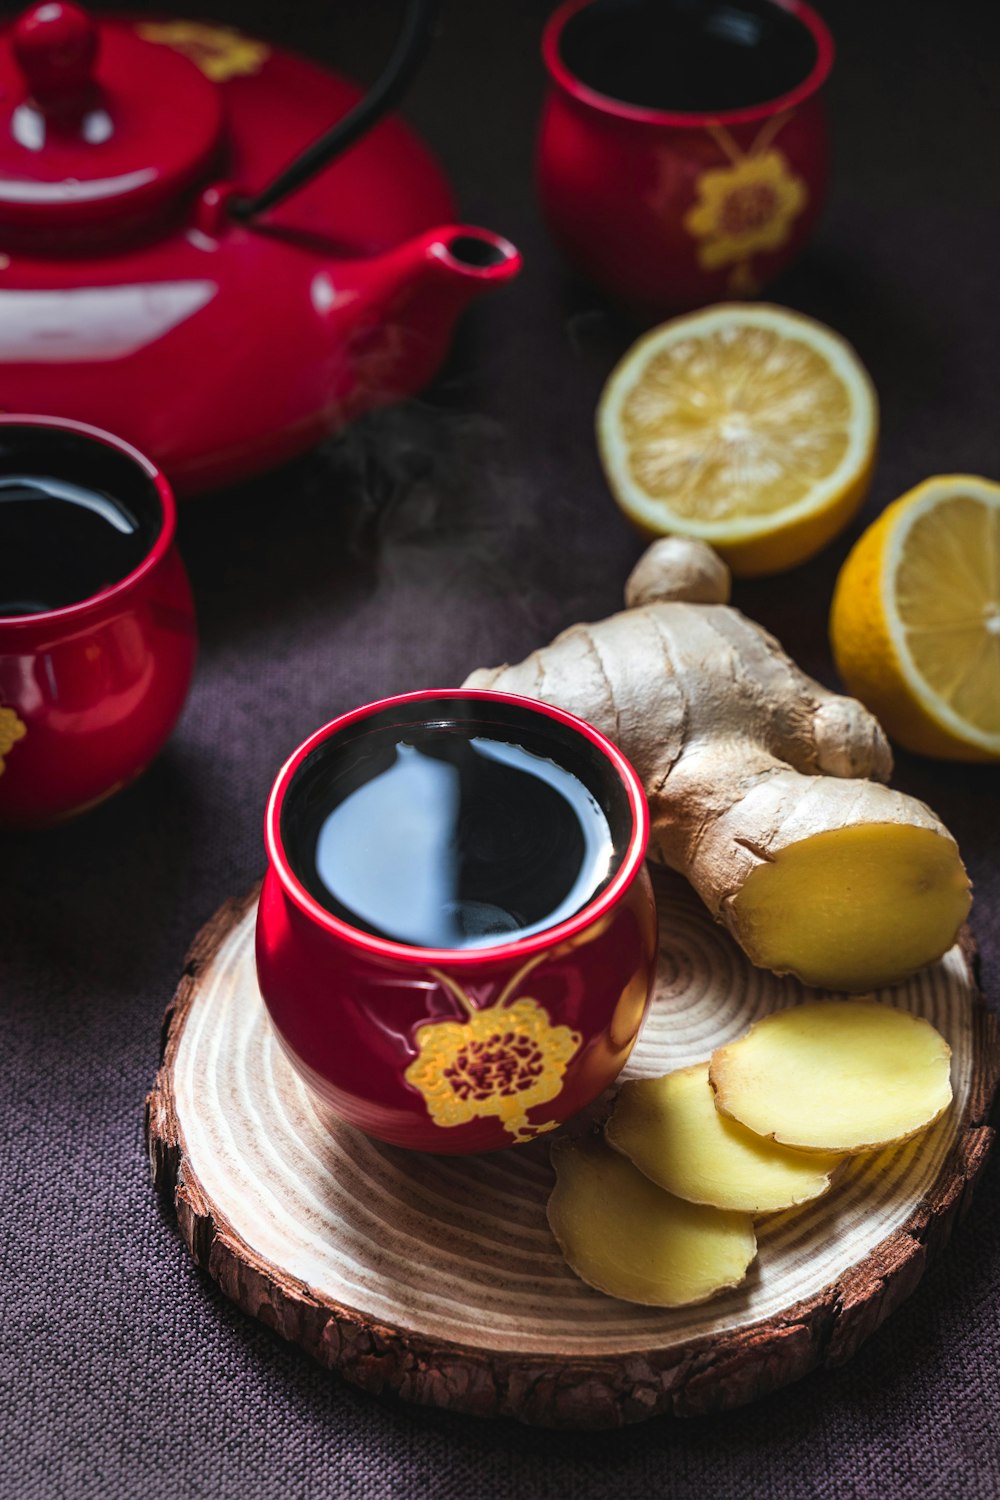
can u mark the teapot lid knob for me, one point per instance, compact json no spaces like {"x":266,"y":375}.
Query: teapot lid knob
{"x":101,"y":129}
{"x":55,"y":44}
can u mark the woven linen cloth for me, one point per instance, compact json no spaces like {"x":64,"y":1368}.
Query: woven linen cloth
{"x":457,"y":531}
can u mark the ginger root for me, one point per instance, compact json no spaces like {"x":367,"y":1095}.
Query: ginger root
{"x":671,"y":1130}
{"x":625,"y":1236}
{"x":838,"y":1075}
{"x":764,"y":787}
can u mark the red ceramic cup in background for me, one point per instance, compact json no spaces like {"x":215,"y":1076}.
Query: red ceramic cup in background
{"x":668,"y":208}
{"x":91,"y":683}
{"x":465,"y":1049}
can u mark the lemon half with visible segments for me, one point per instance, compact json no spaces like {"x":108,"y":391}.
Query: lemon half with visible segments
{"x":915,"y":623}
{"x":746,"y":425}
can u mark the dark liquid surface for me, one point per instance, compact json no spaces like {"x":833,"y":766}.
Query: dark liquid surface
{"x":61,"y":542}
{"x":444,"y":837}
{"x":688,"y":56}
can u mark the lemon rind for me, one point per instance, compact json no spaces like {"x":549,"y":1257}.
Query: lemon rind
{"x":656,"y":514}
{"x":923,"y":498}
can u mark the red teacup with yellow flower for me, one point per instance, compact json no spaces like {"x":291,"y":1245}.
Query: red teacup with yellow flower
{"x":683,"y":148}
{"x":456,"y":935}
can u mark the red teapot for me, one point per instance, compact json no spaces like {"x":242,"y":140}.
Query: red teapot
{"x":181,"y":263}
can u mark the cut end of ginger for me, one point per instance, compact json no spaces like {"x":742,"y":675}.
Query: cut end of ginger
{"x":671,"y":1130}
{"x":854,"y":908}
{"x":835,"y":1075}
{"x":628,"y":1238}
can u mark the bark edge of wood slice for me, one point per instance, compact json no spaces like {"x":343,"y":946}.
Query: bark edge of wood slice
{"x":720,"y":1355}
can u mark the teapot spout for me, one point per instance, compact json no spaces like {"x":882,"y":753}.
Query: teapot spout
{"x":471,"y":259}
{"x":413,"y":295}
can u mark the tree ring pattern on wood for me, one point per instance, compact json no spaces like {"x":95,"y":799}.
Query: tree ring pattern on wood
{"x":438,"y":1277}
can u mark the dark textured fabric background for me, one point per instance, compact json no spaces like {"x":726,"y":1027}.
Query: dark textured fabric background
{"x":457,"y":532}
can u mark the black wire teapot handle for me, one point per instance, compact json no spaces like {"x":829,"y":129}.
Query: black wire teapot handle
{"x":407,"y":55}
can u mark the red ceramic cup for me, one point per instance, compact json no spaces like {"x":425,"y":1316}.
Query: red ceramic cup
{"x":463,"y":1049}
{"x":97,"y":628}
{"x":668,"y":208}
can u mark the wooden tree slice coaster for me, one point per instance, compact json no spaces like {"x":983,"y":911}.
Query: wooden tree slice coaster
{"x":437,"y":1277}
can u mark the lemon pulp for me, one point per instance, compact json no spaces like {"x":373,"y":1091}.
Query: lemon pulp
{"x":915,"y":624}
{"x":748,"y":426}
{"x":947,"y":603}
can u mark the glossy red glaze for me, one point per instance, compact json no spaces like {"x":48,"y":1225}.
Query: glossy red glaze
{"x":101,"y":133}
{"x":137,"y":301}
{"x":354,"y":1012}
{"x":56,"y":47}
{"x":669,"y":211}
{"x":89,"y":693}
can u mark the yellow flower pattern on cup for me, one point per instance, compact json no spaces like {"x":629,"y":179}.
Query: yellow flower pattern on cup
{"x":746,"y":207}
{"x":11,"y":730}
{"x":219,"y":51}
{"x":502,"y":1060}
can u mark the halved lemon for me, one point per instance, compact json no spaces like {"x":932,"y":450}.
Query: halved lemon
{"x":915,"y":623}
{"x":746,"y":425}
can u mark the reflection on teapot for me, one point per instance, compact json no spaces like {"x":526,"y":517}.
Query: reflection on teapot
{"x":142,"y":289}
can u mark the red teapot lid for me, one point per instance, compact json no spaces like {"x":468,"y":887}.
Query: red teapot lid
{"x":97,"y":126}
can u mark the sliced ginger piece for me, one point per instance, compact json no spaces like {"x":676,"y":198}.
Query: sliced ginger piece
{"x":835,"y":1075}
{"x":899,"y":891}
{"x":625,"y":1236}
{"x":671,"y":1130}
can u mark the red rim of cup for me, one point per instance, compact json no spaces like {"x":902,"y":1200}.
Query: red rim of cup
{"x":501,"y":953}
{"x":164,"y":540}
{"x":621,"y":110}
